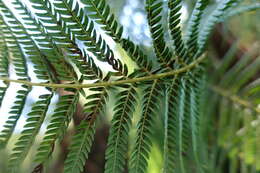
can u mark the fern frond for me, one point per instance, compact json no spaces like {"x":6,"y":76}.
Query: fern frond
{"x":82,"y":140}
{"x":173,"y":156}
{"x":31,"y":129}
{"x":15,"y":113}
{"x":118,"y":135}
{"x":19,"y":62}
{"x":137,"y":55}
{"x":210,"y":22}
{"x":174,"y":26}
{"x":238,"y":68}
{"x":59,"y":122}
{"x":240,"y":10}
{"x":72,"y":26}
{"x":4,"y":64}
{"x":246,"y":74}
{"x":197,"y":85}
{"x":59,"y":38}
{"x":80,"y":147}
{"x":194,"y":24}
{"x":154,"y":16}
{"x":43,"y":41}
{"x":81,"y":28}
{"x":140,"y":153}
{"x":43,"y":67}
{"x":100,"y":12}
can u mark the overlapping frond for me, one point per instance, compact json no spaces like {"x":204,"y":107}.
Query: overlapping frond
{"x":81,"y":28}
{"x":118,"y":136}
{"x":20,"y":67}
{"x":237,"y":87}
{"x":4,"y":65}
{"x":31,"y":129}
{"x":60,"y":120}
{"x":240,"y":10}
{"x":100,"y":12}
{"x":210,"y":22}
{"x":83,"y":139}
{"x":59,"y":38}
{"x":194,"y":25}
{"x":140,"y":154}
{"x":173,"y":156}
{"x":137,"y":55}
{"x":174,"y":27}
{"x":154,"y":16}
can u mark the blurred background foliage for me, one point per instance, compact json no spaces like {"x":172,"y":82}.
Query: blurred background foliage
{"x":231,"y":131}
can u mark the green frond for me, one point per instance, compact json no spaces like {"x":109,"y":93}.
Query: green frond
{"x":100,"y":12}
{"x":31,"y":129}
{"x":140,"y":153}
{"x":83,"y":139}
{"x":60,"y":120}
{"x":238,"y":122}
{"x":4,"y":64}
{"x":42,"y":65}
{"x":197,"y":85}
{"x":210,"y":22}
{"x":62,"y":41}
{"x":118,"y":135}
{"x":137,"y":55}
{"x":186,"y":132}
{"x":174,"y":27}
{"x":80,"y":147}
{"x":154,"y":16}
{"x":81,"y":28}
{"x":173,"y":156}
{"x":194,"y":25}
{"x":238,"y":69}
{"x":16,"y":111}
{"x":20,"y":67}
{"x":246,"y":74}
{"x":240,"y":10}
{"x":63,"y":69}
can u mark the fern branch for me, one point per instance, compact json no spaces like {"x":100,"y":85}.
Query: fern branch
{"x":175,"y":30}
{"x":100,"y":12}
{"x":194,"y":24}
{"x":142,"y":146}
{"x":60,"y":38}
{"x":44,"y":68}
{"x":154,"y":9}
{"x":60,"y":120}
{"x":83,"y":139}
{"x":208,"y":25}
{"x":4,"y":63}
{"x":196,"y":96}
{"x":31,"y":129}
{"x":21,"y":71}
{"x":240,"y":10}
{"x":118,"y":135}
{"x":83,"y":29}
{"x":111,"y":83}
{"x":173,"y":156}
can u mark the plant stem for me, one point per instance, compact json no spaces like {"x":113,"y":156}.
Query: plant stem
{"x":111,"y":83}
